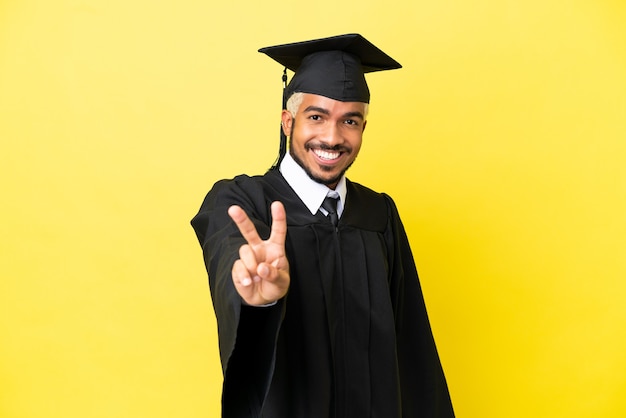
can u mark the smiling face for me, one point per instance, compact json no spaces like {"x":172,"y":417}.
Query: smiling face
{"x":325,"y":136}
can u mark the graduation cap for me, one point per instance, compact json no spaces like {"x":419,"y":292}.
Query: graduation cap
{"x":333,"y":67}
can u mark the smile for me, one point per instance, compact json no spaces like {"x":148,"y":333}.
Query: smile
{"x":327,"y":155}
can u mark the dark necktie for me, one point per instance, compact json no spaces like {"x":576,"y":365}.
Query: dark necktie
{"x":330,"y":205}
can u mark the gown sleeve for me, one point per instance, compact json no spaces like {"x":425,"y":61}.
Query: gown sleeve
{"x":247,"y":335}
{"x":422,"y":380}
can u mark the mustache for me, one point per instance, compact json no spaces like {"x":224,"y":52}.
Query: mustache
{"x":325,"y":147}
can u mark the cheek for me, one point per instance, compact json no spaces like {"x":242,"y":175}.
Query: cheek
{"x":356,"y":142}
{"x":298,"y":140}
{"x":304,"y":133}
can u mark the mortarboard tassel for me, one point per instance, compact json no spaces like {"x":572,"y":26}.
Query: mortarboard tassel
{"x":283,"y":138}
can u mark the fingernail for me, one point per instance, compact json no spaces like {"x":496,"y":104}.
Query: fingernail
{"x":256,"y":279}
{"x":246,"y":282}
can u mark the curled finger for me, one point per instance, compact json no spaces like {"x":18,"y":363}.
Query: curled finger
{"x":240,"y":274}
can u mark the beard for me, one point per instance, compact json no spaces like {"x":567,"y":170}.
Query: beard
{"x":312,"y":176}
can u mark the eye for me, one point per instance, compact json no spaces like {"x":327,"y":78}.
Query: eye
{"x":315,"y":117}
{"x":351,"y":122}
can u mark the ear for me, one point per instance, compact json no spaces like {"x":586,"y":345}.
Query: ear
{"x":364,"y":125}
{"x":286,"y":122}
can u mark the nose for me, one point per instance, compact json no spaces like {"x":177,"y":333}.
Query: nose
{"x":332,"y":135}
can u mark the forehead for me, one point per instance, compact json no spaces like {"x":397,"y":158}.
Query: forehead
{"x":331,"y":105}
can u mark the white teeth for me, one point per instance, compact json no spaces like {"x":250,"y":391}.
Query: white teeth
{"x":326,"y":155}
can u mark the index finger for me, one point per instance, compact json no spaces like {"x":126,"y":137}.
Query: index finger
{"x":279,"y":224}
{"x":245,"y":225}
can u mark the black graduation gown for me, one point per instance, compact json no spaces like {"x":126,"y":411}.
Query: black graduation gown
{"x":352,"y":336}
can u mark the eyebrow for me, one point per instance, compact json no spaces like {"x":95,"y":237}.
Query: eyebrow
{"x":317,"y":109}
{"x":326,"y":112}
{"x":354,"y":115}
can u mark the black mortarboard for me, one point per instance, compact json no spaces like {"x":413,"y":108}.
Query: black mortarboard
{"x":332,"y":67}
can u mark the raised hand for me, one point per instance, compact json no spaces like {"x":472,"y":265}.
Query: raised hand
{"x":261,"y":275}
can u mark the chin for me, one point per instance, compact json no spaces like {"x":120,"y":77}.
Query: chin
{"x":322,"y":176}
{"x":324,"y":179}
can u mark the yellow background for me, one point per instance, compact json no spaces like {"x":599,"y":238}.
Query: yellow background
{"x":502,"y":140}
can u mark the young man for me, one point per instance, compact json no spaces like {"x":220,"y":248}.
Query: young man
{"x":318,"y":302}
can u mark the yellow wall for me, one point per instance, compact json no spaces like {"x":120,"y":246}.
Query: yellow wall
{"x":503,"y":141}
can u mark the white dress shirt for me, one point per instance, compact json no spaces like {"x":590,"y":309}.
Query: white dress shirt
{"x":308,"y":190}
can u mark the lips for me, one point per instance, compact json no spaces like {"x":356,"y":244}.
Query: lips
{"x":326,"y":155}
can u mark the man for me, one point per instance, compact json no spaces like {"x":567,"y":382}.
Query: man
{"x":318,"y":302}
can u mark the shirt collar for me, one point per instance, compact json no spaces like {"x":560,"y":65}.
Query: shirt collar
{"x":308,"y":190}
